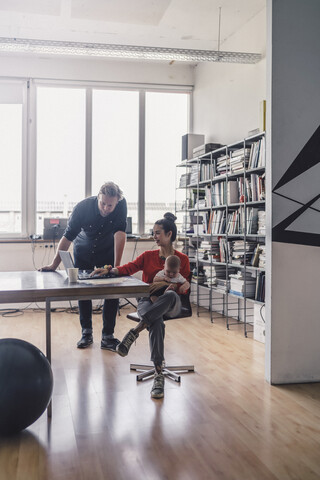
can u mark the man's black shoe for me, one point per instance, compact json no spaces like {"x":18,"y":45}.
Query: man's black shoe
{"x":109,"y":343}
{"x":85,"y":340}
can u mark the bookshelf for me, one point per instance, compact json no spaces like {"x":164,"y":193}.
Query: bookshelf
{"x":223,"y":228}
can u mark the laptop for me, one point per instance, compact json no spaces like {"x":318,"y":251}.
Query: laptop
{"x":68,"y":262}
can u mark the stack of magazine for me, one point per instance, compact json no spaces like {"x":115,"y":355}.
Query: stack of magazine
{"x":213,"y":273}
{"x":239,"y":160}
{"x":242,"y":252}
{"x":240,"y":285}
{"x":209,"y":250}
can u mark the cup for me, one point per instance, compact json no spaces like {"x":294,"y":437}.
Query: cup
{"x":73,"y":275}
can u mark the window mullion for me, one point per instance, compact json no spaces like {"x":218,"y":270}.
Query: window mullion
{"x":142,"y":143}
{"x":88,"y":160}
{"x":29,"y":161}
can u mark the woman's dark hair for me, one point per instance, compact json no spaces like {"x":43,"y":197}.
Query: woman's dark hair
{"x":168,"y":225}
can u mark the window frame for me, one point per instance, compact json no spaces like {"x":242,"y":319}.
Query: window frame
{"x":24,"y":82}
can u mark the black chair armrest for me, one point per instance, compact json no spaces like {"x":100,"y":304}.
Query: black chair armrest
{"x":133,"y":316}
{"x":186,"y":310}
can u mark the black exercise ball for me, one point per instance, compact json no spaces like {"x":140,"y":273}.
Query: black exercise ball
{"x":26,"y":384}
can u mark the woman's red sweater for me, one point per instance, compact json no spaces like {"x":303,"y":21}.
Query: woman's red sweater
{"x":150,"y":263}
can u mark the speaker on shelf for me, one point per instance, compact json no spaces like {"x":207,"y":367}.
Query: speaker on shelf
{"x":189,"y":142}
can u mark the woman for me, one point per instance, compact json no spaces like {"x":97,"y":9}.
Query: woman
{"x":168,"y":305}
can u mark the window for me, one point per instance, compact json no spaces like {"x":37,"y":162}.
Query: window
{"x":166,"y":122}
{"x":11,"y":158}
{"x":61,"y":136}
{"x":115,"y":135}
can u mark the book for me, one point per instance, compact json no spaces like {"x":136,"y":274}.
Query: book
{"x":255,"y":256}
{"x":260,"y":287}
{"x":232,"y":192}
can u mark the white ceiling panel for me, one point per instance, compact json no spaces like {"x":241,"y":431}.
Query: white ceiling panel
{"x":133,"y":12}
{"x":37,"y":7}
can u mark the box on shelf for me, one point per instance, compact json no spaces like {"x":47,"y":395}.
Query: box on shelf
{"x":259,"y":326}
{"x":189,"y":142}
{"x":253,"y":132}
{"x":205,"y":148}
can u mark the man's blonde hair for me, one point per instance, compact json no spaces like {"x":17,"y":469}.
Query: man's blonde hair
{"x":111,"y":190}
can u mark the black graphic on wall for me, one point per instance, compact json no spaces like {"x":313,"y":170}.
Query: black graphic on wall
{"x":303,"y":225}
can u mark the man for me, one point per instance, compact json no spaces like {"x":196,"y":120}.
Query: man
{"x":97,"y":229}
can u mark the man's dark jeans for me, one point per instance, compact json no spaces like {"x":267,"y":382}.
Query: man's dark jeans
{"x":109,"y":314}
{"x":110,"y":307}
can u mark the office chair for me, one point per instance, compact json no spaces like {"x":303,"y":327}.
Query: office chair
{"x":170,"y":371}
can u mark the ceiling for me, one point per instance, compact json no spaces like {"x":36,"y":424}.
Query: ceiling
{"x":187,"y":24}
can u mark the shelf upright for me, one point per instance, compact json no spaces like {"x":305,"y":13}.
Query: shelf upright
{"x":183,"y":209}
{"x":177,"y":206}
{"x":229,"y":174}
{"x":228,"y":165}
{"x":245,"y":243}
{"x":250,"y":141}
{"x":197,"y":233}
{"x":245,"y":227}
{"x":229,"y":305}
{"x":212,"y":169}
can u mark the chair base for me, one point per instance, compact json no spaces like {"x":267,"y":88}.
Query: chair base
{"x":171,"y":372}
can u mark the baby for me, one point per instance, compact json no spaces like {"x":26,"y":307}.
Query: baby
{"x":169,"y":277}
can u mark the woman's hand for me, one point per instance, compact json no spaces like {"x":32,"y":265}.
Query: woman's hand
{"x":104,"y":271}
{"x":184,"y":287}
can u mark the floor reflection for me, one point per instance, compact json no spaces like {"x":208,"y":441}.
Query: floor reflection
{"x":23,"y":456}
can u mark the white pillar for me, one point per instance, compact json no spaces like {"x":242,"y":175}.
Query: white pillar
{"x":293,"y":135}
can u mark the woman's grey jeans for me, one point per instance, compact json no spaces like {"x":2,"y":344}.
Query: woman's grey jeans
{"x":167,"y":306}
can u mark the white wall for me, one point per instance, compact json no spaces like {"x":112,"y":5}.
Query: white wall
{"x":90,"y":69}
{"x":295,"y":311}
{"x":22,"y":256}
{"x":227,"y":96}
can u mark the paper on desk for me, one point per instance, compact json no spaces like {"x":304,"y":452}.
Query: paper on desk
{"x":104,"y":281}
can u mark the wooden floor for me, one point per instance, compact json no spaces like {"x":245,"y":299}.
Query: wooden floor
{"x":222,"y":422}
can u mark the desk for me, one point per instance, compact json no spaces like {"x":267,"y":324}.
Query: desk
{"x":20,"y":287}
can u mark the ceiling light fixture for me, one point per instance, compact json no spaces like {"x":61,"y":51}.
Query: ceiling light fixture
{"x":52,"y":47}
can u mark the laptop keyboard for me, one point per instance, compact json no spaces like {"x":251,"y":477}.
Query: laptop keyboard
{"x":85,"y":275}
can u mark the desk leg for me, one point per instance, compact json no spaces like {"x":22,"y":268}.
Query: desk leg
{"x":48,"y":344}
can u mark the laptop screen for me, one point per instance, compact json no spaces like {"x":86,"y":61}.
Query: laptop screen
{"x":66,"y":259}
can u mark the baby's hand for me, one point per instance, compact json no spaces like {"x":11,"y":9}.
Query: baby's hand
{"x":184,"y":287}
{"x":172,"y":286}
